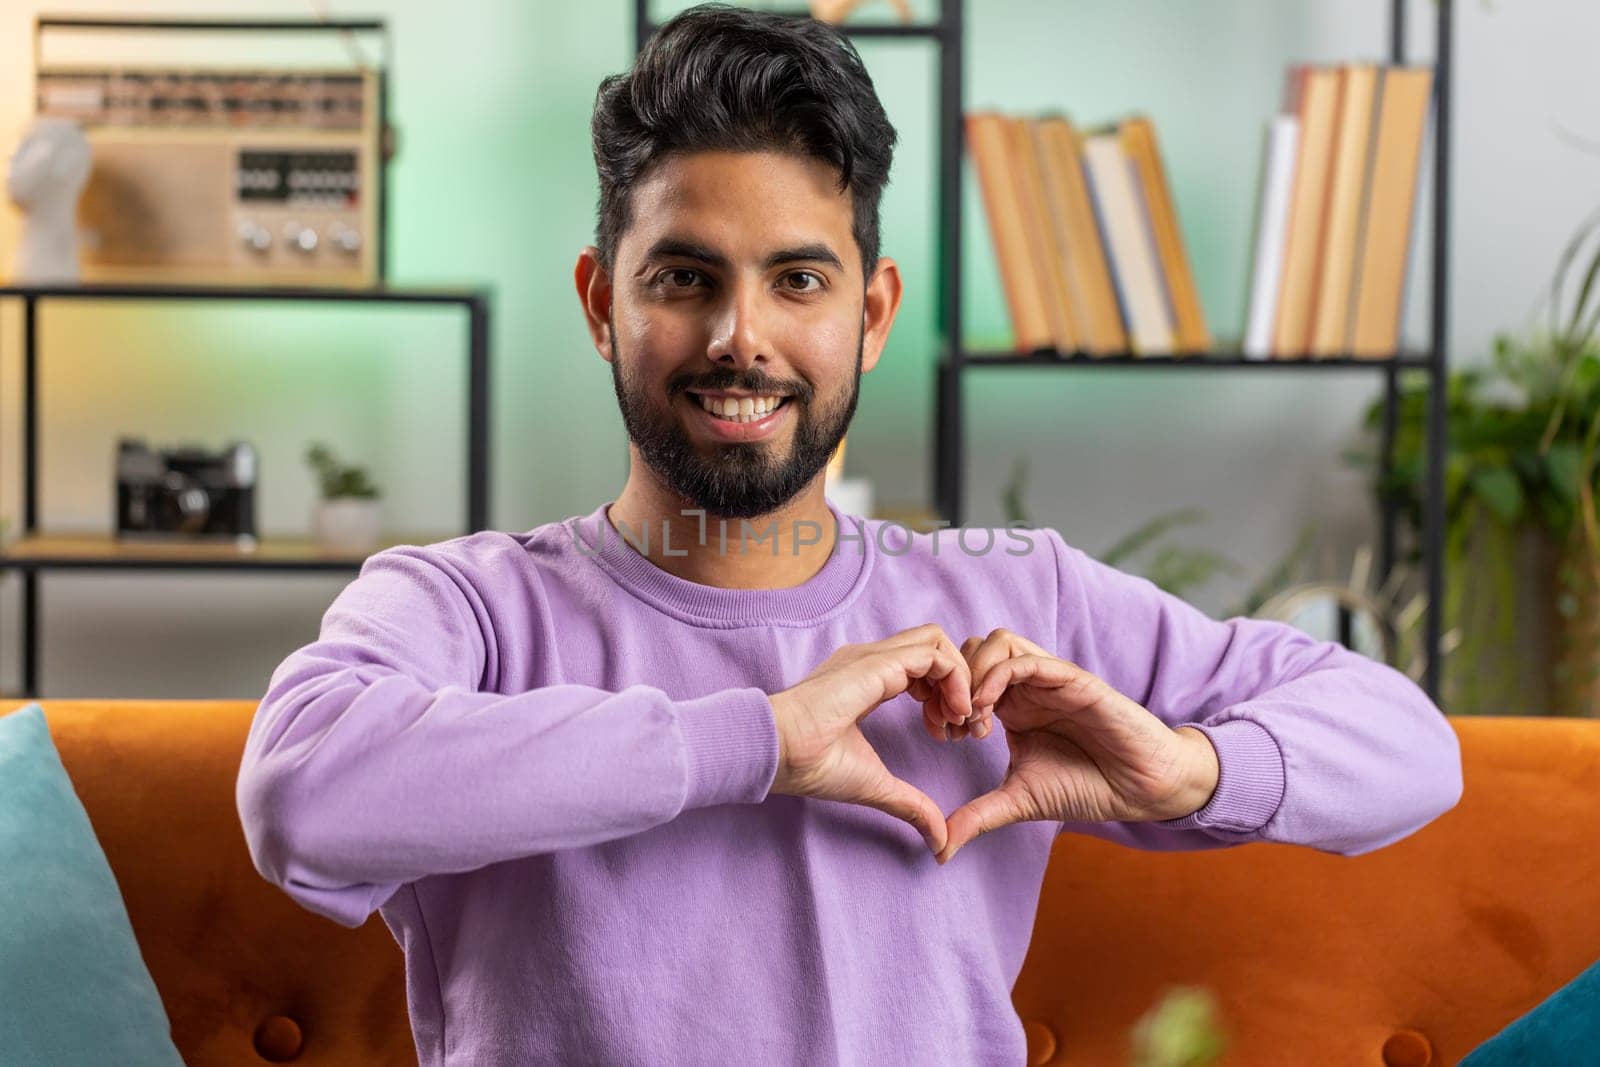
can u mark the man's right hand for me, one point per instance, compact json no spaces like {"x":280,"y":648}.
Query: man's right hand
{"x":821,"y":749}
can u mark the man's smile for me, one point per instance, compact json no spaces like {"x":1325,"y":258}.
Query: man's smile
{"x":738,"y":417}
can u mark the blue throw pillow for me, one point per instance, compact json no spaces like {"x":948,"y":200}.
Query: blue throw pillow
{"x":74,"y":988}
{"x":1561,"y":1029}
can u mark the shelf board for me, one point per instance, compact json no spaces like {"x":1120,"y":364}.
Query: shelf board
{"x":1228,"y":359}
{"x":904,"y":30}
{"x":374,"y":294}
{"x":102,"y":551}
{"x":916,"y":517}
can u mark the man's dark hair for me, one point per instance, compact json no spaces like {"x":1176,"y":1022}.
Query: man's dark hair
{"x":723,"y":78}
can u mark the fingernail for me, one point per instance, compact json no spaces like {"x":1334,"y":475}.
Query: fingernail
{"x":946,"y":728}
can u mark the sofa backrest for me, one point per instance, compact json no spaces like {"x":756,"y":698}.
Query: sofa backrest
{"x":245,"y":973}
{"x":1410,"y":955}
{"x":1430,"y":945}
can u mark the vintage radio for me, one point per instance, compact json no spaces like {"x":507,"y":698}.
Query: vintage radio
{"x":229,"y":175}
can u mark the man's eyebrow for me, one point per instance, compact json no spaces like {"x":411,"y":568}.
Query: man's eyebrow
{"x":685,"y":249}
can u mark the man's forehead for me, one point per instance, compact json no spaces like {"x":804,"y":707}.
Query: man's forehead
{"x":718,"y":208}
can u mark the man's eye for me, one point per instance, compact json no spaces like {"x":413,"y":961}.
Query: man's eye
{"x":676,"y":270}
{"x":807,"y":274}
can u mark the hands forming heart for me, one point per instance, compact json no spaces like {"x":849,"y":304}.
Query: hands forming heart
{"x":1080,"y":750}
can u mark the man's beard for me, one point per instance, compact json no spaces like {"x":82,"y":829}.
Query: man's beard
{"x":739,"y":480}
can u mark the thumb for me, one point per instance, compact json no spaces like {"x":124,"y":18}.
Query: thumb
{"x":905,"y":801}
{"x":990,"y":811}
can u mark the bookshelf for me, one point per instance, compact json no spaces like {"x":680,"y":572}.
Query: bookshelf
{"x":956,"y":360}
{"x":32,"y":552}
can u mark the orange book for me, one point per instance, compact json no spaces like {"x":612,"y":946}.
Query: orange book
{"x":1331,"y":301}
{"x":1042,"y":236}
{"x":1190,"y":334}
{"x":1385,"y":240}
{"x":987,"y":143}
{"x":1317,"y":105}
{"x":1099,"y":319}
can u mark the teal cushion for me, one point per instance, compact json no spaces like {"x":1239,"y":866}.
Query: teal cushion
{"x":1563,"y":1028}
{"x":73,"y":987}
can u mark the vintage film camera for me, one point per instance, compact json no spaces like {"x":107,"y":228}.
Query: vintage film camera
{"x":213,"y":171}
{"x":186,"y":494}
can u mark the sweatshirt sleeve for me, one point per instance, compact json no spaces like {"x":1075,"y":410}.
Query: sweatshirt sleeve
{"x":376,"y":758}
{"x":1317,"y":745}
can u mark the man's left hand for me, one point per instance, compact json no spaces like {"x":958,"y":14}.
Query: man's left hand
{"x":1080,"y":750}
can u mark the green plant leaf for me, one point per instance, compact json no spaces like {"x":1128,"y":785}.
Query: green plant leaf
{"x":1499,"y":488}
{"x":1564,"y":464}
{"x":1147,"y":533}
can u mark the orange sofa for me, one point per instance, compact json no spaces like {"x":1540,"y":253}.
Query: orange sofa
{"x":1409,"y":955}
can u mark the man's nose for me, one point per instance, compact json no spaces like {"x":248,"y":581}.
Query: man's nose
{"x":741,"y":336}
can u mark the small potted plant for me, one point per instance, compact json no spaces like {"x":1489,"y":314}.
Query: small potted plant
{"x":347,"y":515}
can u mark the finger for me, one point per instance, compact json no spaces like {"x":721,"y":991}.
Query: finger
{"x":905,"y":801}
{"x":1000,"y":645}
{"x":931,"y":697}
{"x":988,"y":651}
{"x":990,"y":811}
{"x":948,"y":670}
{"x":935,"y":715}
{"x":1020,"y":670}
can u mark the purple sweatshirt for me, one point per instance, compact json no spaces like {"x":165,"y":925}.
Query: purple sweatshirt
{"x":545,"y":761}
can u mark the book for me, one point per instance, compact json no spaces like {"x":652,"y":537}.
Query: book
{"x":988,"y":138}
{"x":1094,"y":297}
{"x":1331,"y":295}
{"x":1183,"y":298}
{"x":1385,"y":239}
{"x":1314,"y":99}
{"x":1125,"y":227}
{"x":1279,"y":143}
{"x":1043,"y":236}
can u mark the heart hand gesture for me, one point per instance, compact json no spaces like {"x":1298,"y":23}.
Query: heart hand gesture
{"x":1080,"y":750}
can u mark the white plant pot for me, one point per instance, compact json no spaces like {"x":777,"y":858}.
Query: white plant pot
{"x":853,"y":496}
{"x":347,"y":524}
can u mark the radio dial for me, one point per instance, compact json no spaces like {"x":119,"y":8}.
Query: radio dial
{"x":345,"y":238}
{"x":255,"y":236}
{"x":302,"y":238}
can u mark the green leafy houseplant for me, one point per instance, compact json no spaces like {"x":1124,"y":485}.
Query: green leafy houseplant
{"x":1520,"y":467}
{"x":338,"y":481}
{"x":1183,"y":1029}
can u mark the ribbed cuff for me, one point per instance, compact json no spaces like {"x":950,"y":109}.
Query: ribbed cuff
{"x":1249,"y":783}
{"x":730,"y":742}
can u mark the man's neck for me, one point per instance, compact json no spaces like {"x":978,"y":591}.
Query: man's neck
{"x":775,"y":551}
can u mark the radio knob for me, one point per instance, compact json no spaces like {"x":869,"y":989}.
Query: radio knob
{"x":345,"y":238}
{"x":255,"y":236}
{"x":302,"y":239}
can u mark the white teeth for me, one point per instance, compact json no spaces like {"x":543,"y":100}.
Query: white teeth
{"x":740,"y":408}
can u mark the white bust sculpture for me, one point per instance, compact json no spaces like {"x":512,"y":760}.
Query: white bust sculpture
{"x":47,"y":175}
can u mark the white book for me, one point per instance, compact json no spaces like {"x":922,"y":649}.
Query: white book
{"x":1130,"y":244}
{"x":1272,"y":233}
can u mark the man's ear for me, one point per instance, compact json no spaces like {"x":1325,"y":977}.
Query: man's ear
{"x":594,"y":293}
{"x":881,"y":303}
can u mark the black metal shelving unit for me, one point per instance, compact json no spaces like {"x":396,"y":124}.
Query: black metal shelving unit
{"x":956,"y":360}
{"x":31,"y":558}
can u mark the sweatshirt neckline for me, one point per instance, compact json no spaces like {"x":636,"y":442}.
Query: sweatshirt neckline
{"x":813,"y":600}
